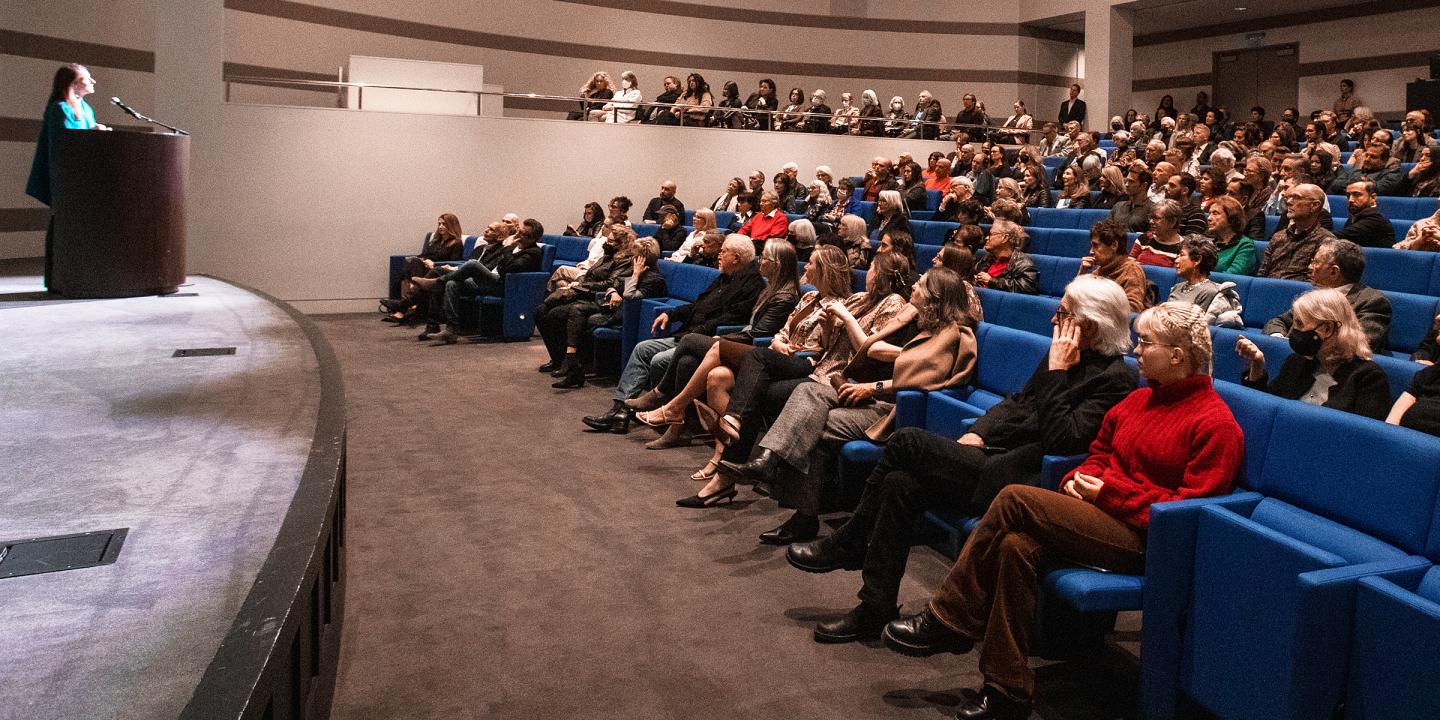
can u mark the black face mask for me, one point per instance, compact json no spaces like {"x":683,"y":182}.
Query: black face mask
{"x":1305,"y":342}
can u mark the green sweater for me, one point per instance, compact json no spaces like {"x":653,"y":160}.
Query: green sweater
{"x":1238,"y":258}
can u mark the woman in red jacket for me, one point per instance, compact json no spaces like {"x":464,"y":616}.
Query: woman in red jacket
{"x":1172,"y":440}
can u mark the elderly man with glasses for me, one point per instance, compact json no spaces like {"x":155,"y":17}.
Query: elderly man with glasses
{"x":1293,"y":246}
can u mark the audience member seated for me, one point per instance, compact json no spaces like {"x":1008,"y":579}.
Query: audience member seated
{"x":727,"y":109}
{"x":818,"y":204}
{"x":770,"y":222}
{"x":1371,"y":164}
{"x":891,"y":213}
{"x":763,"y":99}
{"x":474,"y":279}
{"x":897,"y":120}
{"x":1004,"y":266}
{"x":960,"y":260}
{"x":592,"y":92}
{"x":1135,"y":210}
{"x":1035,"y":190}
{"x":702,"y":222}
{"x":934,"y":350}
{"x":1293,"y":246}
{"x":693,"y":107}
{"x":567,"y":273}
{"x":1074,"y":191}
{"x":1244,"y":192}
{"x":745,"y":211}
{"x":803,"y":237}
{"x":1423,"y":180}
{"x":1331,"y":365}
{"x":708,"y":376}
{"x":1173,"y":439}
{"x":670,"y":234}
{"x":622,"y":106}
{"x":1423,"y":235}
{"x":959,"y":193}
{"x":846,"y":202}
{"x":666,"y":197}
{"x":774,"y":304}
{"x":1111,"y":185}
{"x":767,"y":377}
{"x":592,"y":220}
{"x":570,"y":315}
{"x":1107,"y":259}
{"x":727,"y":201}
{"x":1339,"y":264}
{"x":912,"y":186}
{"x":879,"y":178}
{"x":662,"y":113}
{"x":845,"y":116}
{"x":1058,"y":412}
{"x":792,"y":118}
{"x":1160,"y":245}
{"x":725,"y":302}
{"x":1418,"y":408}
{"x":1193,"y":266}
{"x":446,"y":243}
{"x":872,"y":118}
{"x":1366,"y":226}
{"x":1180,"y":189}
{"x":818,"y":118}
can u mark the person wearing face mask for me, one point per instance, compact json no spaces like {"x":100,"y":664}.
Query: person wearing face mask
{"x":818,"y":119}
{"x":897,"y":120}
{"x":1339,"y":264}
{"x":845,"y":115}
{"x":622,"y":107}
{"x":1331,"y":365}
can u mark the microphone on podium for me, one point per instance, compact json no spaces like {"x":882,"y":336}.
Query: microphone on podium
{"x":128,"y":110}
{"x":131,"y":112}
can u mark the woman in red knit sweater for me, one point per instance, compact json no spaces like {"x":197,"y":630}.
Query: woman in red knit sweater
{"x":1171,"y":440}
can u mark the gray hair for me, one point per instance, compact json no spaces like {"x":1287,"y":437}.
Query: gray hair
{"x":741,"y":245}
{"x":852,"y":226}
{"x":1169,"y":209}
{"x":774,"y":196}
{"x":824,"y":190}
{"x":896,"y":200}
{"x":707,"y":214}
{"x":1103,"y":302}
{"x":1222,"y":154}
{"x":804,"y":233}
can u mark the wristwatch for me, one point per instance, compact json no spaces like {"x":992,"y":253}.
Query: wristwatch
{"x":879,"y":386}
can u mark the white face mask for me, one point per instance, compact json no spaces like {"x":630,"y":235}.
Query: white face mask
{"x":845,"y":103}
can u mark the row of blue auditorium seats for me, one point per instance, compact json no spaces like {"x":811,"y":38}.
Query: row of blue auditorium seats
{"x":523,"y":293}
{"x":1263,"y":298}
{"x":1313,"y":570}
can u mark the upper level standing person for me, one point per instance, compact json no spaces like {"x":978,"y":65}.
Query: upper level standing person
{"x":1074,"y":108}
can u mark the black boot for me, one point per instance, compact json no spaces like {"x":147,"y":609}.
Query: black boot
{"x":571,"y":374}
{"x":865,"y":622}
{"x":616,"y":420}
{"x":800,"y":528}
{"x":923,"y":635}
{"x":758,"y":469}
{"x":991,"y":704}
{"x":550,"y":366}
{"x":825,"y":555}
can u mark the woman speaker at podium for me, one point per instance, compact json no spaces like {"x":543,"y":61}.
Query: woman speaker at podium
{"x":65,"y":110}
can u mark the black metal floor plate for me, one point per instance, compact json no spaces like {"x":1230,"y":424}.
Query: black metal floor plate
{"x":201,"y":352}
{"x":61,"y":552}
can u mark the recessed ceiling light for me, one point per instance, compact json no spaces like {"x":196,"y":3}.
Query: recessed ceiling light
{"x":1241,"y":8}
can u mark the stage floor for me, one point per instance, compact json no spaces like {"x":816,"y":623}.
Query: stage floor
{"x":101,"y":428}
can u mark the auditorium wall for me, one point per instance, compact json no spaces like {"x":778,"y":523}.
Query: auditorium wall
{"x":311,"y":201}
{"x":1381,"y":51}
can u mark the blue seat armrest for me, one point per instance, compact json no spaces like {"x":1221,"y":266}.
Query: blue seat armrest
{"x":523,"y":294}
{"x":1169,"y":582}
{"x":910,"y":408}
{"x":1054,"y":468}
{"x":726,"y":329}
{"x":806,"y":355}
{"x":761,"y":341}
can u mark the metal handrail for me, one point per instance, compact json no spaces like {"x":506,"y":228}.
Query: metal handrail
{"x":684,"y":107}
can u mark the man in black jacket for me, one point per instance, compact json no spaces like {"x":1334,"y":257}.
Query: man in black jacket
{"x":1366,"y":225}
{"x":671,"y":234}
{"x":1058,"y":412}
{"x":1074,"y":108}
{"x":728,"y":301}
{"x":666,"y":197}
{"x":474,"y":279}
{"x":1339,"y":264}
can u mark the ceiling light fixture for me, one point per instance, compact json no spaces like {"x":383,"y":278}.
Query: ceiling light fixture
{"x":1241,"y":8}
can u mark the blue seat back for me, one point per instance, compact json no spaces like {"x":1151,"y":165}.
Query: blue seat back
{"x":1379,"y":479}
{"x":867,"y":209}
{"x":924,"y":256}
{"x":1410,"y":319}
{"x":568,"y":247}
{"x":932,"y":199}
{"x":1008,"y":358}
{"x":1399,"y":270}
{"x":645,"y":229}
{"x":1055,"y":273}
{"x":686,"y":282}
{"x":1399,"y":371}
{"x":1405,"y":208}
{"x":469,"y":246}
{"x":547,"y":257}
{"x":929,"y":232}
{"x":1163,"y":277}
{"x":723,"y":219}
{"x":1031,"y":313}
{"x":1229,"y":367}
{"x":1059,"y":242}
{"x":1255,"y":411}
{"x":1268,"y":298}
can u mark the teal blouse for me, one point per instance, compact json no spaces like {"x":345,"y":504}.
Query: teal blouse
{"x":58,"y":117}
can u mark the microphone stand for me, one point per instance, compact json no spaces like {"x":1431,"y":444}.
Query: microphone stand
{"x":131,"y":112}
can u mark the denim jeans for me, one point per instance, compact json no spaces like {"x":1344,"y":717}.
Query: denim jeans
{"x":648,"y":362}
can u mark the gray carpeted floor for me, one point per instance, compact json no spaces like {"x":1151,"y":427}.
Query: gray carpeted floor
{"x":505,"y":564}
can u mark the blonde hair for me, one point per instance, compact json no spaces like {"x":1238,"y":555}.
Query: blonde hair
{"x":707,"y":214}
{"x":1330,"y":305}
{"x":1184,"y":325}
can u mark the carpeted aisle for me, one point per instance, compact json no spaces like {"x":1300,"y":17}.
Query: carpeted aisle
{"x":505,"y":564}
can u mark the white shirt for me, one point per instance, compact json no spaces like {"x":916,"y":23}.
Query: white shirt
{"x":594,"y":252}
{"x":623,"y":105}
{"x":691,"y":242}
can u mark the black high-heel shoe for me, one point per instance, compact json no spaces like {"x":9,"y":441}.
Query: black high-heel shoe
{"x":698,"y":502}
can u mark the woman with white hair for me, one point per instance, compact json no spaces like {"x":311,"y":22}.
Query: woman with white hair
{"x":1057,"y":412}
{"x":818,"y":204}
{"x":1331,"y":364}
{"x":1171,"y":440}
{"x":802,"y":236}
{"x":872,"y":118}
{"x":703,"y":221}
{"x":890,"y":214}
{"x":897,"y":120}
{"x":855,"y":241}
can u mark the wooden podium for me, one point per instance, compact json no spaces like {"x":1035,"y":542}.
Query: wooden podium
{"x":119,"y":204}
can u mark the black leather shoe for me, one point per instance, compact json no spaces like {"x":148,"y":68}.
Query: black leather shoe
{"x":798,"y":529}
{"x":865,"y":622}
{"x":616,"y":420}
{"x":823,"y":556}
{"x":992,"y":705}
{"x":923,"y":635}
{"x":758,"y":469}
{"x":551,"y":366}
{"x":570,"y":374}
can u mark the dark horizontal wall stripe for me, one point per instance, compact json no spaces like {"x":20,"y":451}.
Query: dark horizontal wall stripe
{"x":1310,"y":69}
{"x":1165,"y":83}
{"x":542,"y":104}
{"x":344,"y":19}
{"x":23,"y":219}
{"x":63,"y":50}
{"x":13,"y":129}
{"x":670,"y":8}
{"x":1240,"y":27}
{"x":1355,"y":65}
{"x":235,"y":70}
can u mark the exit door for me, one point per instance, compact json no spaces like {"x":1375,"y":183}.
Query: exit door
{"x":1268,"y":77}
